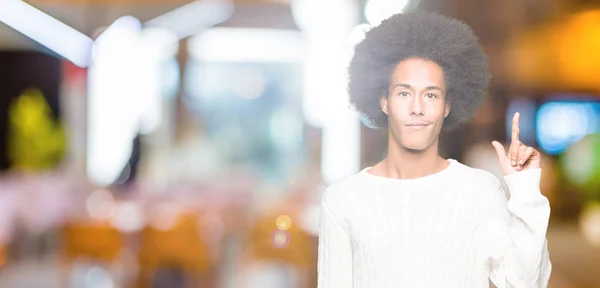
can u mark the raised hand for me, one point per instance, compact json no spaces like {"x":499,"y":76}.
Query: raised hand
{"x":520,"y":157}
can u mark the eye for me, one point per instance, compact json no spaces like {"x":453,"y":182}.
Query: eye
{"x":403,"y":93}
{"x":430,"y":95}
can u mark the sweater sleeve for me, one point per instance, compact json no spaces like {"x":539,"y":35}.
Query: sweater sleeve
{"x":335,"y":251}
{"x":515,"y":233}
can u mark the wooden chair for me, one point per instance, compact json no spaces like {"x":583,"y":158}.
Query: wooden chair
{"x":90,"y":240}
{"x":3,"y":256}
{"x":179,"y":247}
{"x":293,"y":248}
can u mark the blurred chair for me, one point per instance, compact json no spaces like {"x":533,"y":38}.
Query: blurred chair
{"x":3,"y":256}
{"x":175,"y":252}
{"x":6,"y":278}
{"x":95,"y":241}
{"x":276,"y":255}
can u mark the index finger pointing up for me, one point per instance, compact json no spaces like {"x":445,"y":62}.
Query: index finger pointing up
{"x":515,"y":127}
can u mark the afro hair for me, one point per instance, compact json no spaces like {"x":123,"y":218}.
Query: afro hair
{"x":448,"y":42}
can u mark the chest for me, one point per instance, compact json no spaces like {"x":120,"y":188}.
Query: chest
{"x":417,"y":224}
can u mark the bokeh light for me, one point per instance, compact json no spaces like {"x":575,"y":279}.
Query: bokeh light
{"x":581,"y":164}
{"x":559,"y":124}
{"x":128,"y":217}
{"x":100,"y":204}
{"x":283,"y":222}
{"x":97,"y":277}
{"x":165,"y":216}
{"x":250,"y":83}
{"x":280,"y":239}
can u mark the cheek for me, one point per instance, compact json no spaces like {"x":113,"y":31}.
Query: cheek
{"x":397,"y":106}
{"x":439,"y":110}
{"x":396,"y":111}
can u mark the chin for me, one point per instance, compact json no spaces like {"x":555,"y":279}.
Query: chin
{"x":416,"y":147}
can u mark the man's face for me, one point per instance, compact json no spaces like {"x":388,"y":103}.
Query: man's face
{"x":416,"y":103}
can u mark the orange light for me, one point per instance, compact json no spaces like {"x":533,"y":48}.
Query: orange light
{"x":283,"y":222}
{"x":560,"y":55}
{"x":578,"y":50}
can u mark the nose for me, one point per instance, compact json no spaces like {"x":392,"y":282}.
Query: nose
{"x":416,"y":106}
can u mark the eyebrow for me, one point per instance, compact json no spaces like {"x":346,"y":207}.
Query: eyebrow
{"x":407,"y":86}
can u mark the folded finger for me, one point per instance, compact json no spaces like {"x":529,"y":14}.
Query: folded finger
{"x":525,"y":155}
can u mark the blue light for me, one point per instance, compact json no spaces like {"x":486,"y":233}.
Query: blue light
{"x":559,"y":124}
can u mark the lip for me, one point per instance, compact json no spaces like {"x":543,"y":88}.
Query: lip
{"x":417,"y":125}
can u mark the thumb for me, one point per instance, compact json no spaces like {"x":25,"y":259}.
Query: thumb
{"x":499,"y":150}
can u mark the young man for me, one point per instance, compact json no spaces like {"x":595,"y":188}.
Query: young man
{"x":416,"y":219}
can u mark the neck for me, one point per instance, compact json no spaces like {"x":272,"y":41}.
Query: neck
{"x":402,"y":163}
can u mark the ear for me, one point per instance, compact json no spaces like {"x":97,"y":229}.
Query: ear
{"x":447,"y":110}
{"x":384,"y":104}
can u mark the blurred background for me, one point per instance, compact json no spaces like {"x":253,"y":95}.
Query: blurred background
{"x":187,"y":144}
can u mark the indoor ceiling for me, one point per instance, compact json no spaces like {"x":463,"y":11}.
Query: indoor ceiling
{"x":491,"y":19}
{"x":87,"y":16}
{"x":495,"y":22}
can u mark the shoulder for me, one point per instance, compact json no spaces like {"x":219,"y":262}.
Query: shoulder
{"x":484,"y":189}
{"x":339,"y":199}
{"x":342,"y":190}
{"x":477,"y":177}
{"x":480,"y":185}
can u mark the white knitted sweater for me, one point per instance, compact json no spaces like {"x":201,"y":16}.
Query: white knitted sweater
{"x":454,"y":228}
